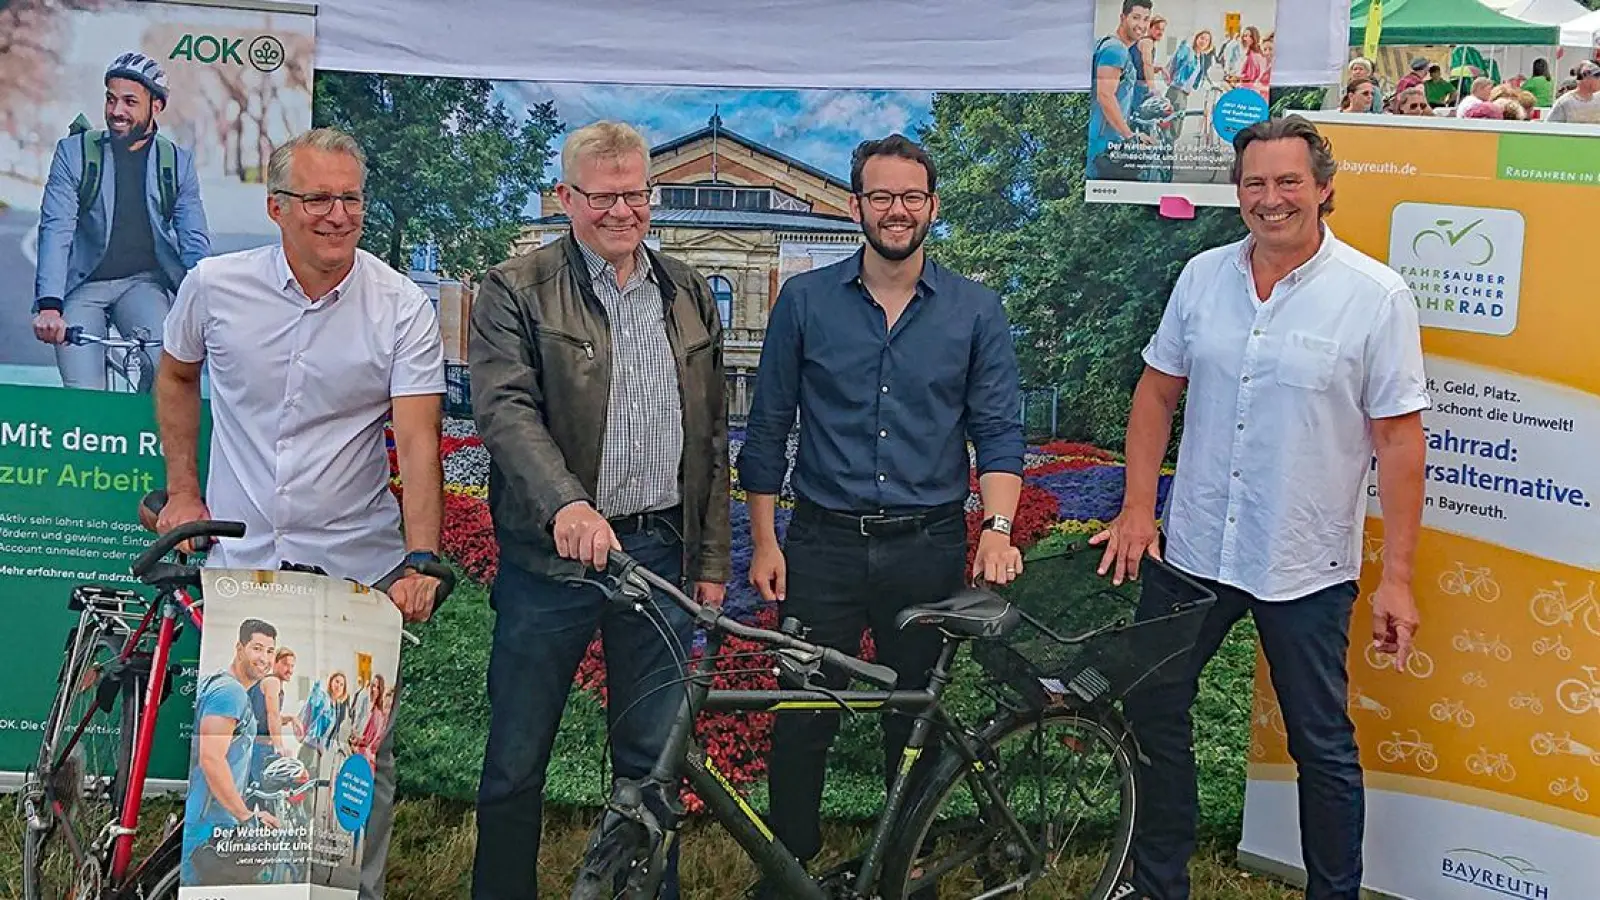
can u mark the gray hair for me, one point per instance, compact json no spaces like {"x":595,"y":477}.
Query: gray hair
{"x":328,"y":140}
{"x":601,"y":140}
{"x":1291,"y":128}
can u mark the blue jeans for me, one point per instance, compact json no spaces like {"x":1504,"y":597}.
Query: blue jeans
{"x":1305,"y":642}
{"x":138,"y":302}
{"x":540,"y":634}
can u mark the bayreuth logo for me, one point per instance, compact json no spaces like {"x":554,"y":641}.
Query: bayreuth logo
{"x":1508,"y":876}
{"x":1462,"y":263}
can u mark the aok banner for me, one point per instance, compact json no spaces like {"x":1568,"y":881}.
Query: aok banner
{"x":1481,"y":756}
{"x":1172,"y":83}
{"x":134,"y":140}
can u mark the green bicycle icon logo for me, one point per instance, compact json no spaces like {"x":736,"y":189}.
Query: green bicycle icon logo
{"x":1467,"y":238}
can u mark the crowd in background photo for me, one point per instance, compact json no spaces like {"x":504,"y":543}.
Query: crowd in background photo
{"x":1425,"y":90}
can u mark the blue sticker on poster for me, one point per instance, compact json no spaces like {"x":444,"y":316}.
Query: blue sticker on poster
{"x":352,"y":793}
{"x":1237,"y":110}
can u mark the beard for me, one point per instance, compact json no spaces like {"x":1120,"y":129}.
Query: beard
{"x":137,"y":131}
{"x":875,"y":237}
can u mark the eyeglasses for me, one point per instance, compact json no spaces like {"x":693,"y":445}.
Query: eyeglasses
{"x":322,"y":204}
{"x":608,"y":199}
{"x":883,"y":200}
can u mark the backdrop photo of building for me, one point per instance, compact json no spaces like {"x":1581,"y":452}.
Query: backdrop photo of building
{"x":747,"y":217}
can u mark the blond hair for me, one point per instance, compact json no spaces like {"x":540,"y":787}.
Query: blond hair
{"x":328,"y":140}
{"x":601,"y":140}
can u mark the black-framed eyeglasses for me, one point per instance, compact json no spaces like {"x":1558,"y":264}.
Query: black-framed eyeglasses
{"x":607,"y":199}
{"x":883,"y":200}
{"x":318,"y":204}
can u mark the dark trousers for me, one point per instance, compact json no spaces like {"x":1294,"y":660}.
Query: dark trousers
{"x":540,"y":634}
{"x":839,"y":584}
{"x":1305,"y":642}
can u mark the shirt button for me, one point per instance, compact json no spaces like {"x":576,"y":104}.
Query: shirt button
{"x":1247,"y":379}
{"x":1257,"y":332}
{"x":1240,"y":426}
{"x":1232,"y":519}
{"x":283,"y":490}
{"x":1236,"y":473}
{"x":881,"y":476}
{"x":885,"y":389}
{"x":882,"y":433}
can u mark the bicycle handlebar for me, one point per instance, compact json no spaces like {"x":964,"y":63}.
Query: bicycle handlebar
{"x":621,"y":567}
{"x":77,"y":337}
{"x":166,"y":543}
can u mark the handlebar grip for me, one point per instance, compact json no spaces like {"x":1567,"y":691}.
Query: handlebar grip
{"x":882,"y":676}
{"x":167,"y":542}
{"x":619,"y":563}
{"x":74,"y":334}
{"x":155,"y":501}
{"x":447,"y":581}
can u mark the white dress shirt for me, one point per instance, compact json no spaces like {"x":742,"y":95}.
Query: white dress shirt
{"x":300,"y":392}
{"x":1277,"y":444}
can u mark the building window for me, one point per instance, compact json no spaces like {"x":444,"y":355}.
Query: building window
{"x":677,"y":198}
{"x":716,"y":198}
{"x":755,"y":200}
{"x":722,"y":290}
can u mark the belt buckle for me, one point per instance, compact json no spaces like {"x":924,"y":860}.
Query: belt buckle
{"x":863,"y":520}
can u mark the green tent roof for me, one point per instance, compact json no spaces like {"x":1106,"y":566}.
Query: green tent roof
{"x":1423,"y":22}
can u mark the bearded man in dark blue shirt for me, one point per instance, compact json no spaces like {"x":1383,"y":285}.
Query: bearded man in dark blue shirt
{"x":892,"y":363}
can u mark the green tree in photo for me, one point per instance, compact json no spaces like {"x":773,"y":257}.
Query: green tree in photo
{"x":447,"y":164}
{"x":1084,"y":283}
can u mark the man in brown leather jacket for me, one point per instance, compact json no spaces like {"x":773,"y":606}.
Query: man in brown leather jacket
{"x":598,"y":391}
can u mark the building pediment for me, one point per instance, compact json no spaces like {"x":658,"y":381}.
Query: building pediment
{"x":689,"y":237}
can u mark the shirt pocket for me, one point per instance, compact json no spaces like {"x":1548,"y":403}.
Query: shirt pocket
{"x":1307,"y":361}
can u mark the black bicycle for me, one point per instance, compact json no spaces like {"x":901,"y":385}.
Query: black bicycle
{"x":983,"y":811}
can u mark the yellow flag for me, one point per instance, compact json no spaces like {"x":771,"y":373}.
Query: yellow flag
{"x":1369,"y":44}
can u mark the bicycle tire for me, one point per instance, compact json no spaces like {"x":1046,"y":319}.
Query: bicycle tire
{"x":59,"y":721}
{"x":901,"y":860}
{"x":612,"y":847}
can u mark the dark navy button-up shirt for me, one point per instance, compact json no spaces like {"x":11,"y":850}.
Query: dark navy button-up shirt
{"x":884,"y":415}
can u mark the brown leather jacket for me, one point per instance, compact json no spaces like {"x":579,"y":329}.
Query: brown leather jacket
{"x":540,"y":355}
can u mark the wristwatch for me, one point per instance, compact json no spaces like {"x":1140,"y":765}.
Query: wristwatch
{"x":416,"y":559}
{"x":998,"y":523}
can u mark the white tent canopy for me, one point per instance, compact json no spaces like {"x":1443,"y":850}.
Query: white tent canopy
{"x":1001,"y":45}
{"x":1583,"y":31}
{"x":1546,"y":12}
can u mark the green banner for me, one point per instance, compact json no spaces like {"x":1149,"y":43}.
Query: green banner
{"x":1549,"y":158}
{"x":73,"y":465}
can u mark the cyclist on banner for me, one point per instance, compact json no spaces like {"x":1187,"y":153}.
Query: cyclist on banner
{"x":312,"y":345}
{"x":120,"y":224}
{"x":226,"y":723}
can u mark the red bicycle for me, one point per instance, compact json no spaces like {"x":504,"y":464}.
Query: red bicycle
{"x":82,"y":799}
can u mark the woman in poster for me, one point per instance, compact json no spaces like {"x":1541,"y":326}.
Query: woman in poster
{"x":322,"y":717}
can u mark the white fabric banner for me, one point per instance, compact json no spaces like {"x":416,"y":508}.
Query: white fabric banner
{"x":988,"y":45}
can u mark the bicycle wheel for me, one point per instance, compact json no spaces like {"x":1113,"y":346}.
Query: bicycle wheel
{"x":74,"y":792}
{"x":953,"y":838}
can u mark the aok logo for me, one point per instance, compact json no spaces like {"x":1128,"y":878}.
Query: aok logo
{"x":265,"y":53}
{"x":1463,"y":264}
{"x":1509,"y":876}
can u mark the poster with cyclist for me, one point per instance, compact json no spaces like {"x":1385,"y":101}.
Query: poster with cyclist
{"x":296,"y":690}
{"x":133,"y":142}
{"x":1171,"y":83}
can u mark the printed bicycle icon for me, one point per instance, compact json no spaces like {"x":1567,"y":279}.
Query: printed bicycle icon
{"x":1476,"y":679}
{"x":1529,"y":702}
{"x":1477,"y":642}
{"x":1545,"y":743}
{"x":1554,"y":645}
{"x":1476,"y":582}
{"x":1267,"y":713}
{"x":1358,"y":700}
{"x":1418,"y":665}
{"x":1550,"y":607}
{"x":1445,"y":710}
{"x":1414,"y":748}
{"x":1497,"y":764}
{"x":1467,"y":237}
{"x":1570,"y":786}
{"x":1373,"y":549}
{"x":1577,"y":697}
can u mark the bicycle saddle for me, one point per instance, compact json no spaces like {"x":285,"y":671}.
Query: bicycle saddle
{"x":970,"y":613}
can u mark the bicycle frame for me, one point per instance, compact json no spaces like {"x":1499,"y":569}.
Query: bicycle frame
{"x":168,"y":605}
{"x":682,"y":758}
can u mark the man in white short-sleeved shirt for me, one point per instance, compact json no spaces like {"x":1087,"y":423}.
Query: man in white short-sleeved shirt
{"x":1302,"y":359}
{"x":310,"y":346}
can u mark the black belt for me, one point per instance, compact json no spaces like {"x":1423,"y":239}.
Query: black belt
{"x":882,"y":523}
{"x":637,"y":522}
